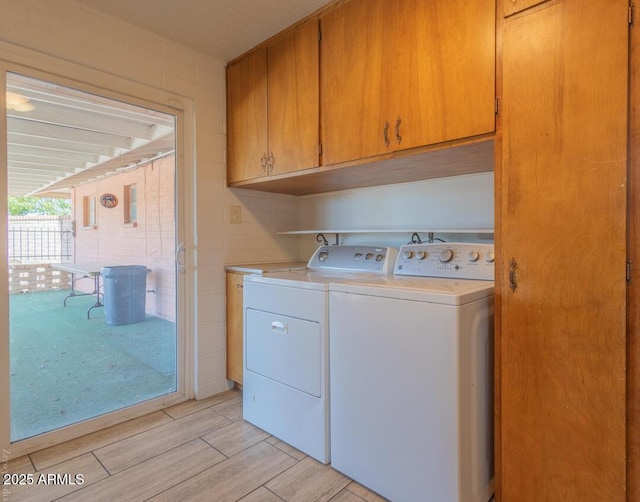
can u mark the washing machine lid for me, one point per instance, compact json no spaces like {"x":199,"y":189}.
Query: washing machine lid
{"x":331,"y":264}
{"x":423,"y":289}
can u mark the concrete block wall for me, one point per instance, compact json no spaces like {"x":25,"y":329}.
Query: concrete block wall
{"x":36,"y":277}
{"x":149,"y":242}
{"x":74,"y":43}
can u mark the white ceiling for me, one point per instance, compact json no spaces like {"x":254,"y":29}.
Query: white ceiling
{"x":69,"y":137}
{"x":224,"y":29}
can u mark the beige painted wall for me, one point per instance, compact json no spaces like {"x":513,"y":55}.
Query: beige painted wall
{"x":69,"y":40}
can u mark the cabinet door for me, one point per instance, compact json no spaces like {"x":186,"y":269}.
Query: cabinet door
{"x":440,"y":67}
{"x":562,"y":208}
{"x":234,"y":326}
{"x":247,"y":117}
{"x":515,"y":6}
{"x":293,"y":110}
{"x":424,"y":70}
{"x":354,"y":102}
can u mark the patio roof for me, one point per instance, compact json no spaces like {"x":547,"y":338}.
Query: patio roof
{"x":60,"y":137}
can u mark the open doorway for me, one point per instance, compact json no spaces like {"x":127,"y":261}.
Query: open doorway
{"x":93,"y":309}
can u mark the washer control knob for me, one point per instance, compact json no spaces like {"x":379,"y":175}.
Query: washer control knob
{"x":446,"y":255}
{"x":490,"y":257}
{"x":357,"y":256}
{"x":368,"y":256}
{"x":473,"y":256}
{"x":421,"y":255}
{"x":323,"y":255}
{"x":379,"y":257}
{"x":407,"y":255}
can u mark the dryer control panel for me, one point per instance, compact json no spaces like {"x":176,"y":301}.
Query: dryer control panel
{"x":460,"y":260}
{"x":354,"y":258}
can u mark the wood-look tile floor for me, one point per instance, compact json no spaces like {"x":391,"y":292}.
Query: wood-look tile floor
{"x":196,"y":450}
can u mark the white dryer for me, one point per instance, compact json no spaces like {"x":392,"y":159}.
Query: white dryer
{"x":286,"y":344}
{"x":411,"y":376}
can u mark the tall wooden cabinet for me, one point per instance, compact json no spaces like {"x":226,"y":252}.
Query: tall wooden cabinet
{"x":273,"y":107}
{"x":404,"y":74}
{"x":514,"y":6}
{"x":561,"y":187}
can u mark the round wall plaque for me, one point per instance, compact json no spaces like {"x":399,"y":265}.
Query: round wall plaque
{"x":108,"y":200}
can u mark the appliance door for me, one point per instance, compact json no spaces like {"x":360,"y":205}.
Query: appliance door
{"x":284,"y":349}
{"x":286,"y":373}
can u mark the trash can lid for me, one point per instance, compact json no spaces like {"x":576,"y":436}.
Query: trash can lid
{"x":123,"y":269}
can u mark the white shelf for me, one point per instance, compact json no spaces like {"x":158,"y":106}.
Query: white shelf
{"x":391,"y":231}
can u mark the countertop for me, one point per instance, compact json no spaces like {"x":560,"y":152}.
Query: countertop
{"x":265,"y":268}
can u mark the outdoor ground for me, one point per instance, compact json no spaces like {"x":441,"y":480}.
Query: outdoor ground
{"x":66,"y":368}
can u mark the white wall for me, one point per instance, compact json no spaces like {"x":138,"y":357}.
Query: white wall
{"x":69,"y":40}
{"x":65,"y":38}
{"x":461,"y":202}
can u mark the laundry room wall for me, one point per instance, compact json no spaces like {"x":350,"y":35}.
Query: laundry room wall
{"x":460,"y":202}
{"x":67,"y":39}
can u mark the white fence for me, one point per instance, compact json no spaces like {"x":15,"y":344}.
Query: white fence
{"x":40,"y":239}
{"x":34,"y":242}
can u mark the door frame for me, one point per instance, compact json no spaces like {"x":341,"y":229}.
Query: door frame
{"x":182,"y":108}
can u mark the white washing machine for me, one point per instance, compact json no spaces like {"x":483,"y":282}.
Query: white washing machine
{"x":411,"y":376}
{"x":286,"y":344}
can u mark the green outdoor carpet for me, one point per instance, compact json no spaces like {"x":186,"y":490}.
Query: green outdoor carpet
{"x":65,"y":368}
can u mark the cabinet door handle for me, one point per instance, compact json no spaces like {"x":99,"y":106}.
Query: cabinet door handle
{"x":398,"y":137}
{"x":513,"y":282}
{"x":264,"y":163}
{"x":385,"y":133}
{"x":271,"y":161}
{"x":280,"y":326}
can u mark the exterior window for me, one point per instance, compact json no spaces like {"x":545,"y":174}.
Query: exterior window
{"x":130,"y":204}
{"x":89,"y":211}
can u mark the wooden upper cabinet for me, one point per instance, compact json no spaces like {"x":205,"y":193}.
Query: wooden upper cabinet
{"x":273,"y":107}
{"x":247,"y":116}
{"x":403,"y":74}
{"x":353,"y":98}
{"x":293,"y":97}
{"x":442,"y":72}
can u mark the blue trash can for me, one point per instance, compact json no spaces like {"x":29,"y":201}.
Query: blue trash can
{"x":125,"y":292}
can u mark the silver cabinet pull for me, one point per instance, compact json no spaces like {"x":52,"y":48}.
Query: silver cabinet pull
{"x":270,"y":161}
{"x":513,"y":282}
{"x":385,"y":133}
{"x":264,"y":163}
{"x":398,"y":136}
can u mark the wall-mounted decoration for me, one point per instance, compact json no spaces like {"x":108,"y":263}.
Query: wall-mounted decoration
{"x":108,"y":200}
